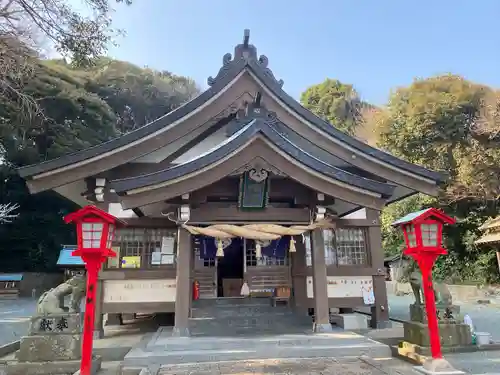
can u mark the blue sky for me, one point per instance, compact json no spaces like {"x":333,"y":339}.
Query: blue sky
{"x":376,"y":45}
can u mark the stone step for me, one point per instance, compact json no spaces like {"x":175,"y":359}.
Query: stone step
{"x":169,"y":350}
{"x":226,"y":332}
{"x":251,"y":321}
{"x":226,"y":311}
{"x":230,"y":301}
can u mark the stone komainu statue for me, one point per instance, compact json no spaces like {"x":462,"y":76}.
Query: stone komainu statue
{"x":441,"y":292}
{"x":52,"y":301}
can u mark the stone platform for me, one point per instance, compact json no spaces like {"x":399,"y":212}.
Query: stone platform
{"x":163,"y":349}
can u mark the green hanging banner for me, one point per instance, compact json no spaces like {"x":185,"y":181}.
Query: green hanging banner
{"x":254,"y":192}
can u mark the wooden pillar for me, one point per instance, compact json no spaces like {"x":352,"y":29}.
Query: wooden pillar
{"x":320,"y":286}
{"x":380,"y":312}
{"x":299,"y":267}
{"x":183,"y":287}
{"x":99,"y":316}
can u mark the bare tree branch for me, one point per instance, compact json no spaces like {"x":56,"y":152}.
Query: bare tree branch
{"x":6,"y":212}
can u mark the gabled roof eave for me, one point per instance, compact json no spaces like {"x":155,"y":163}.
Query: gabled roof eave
{"x":138,"y":135}
{"x":239,"y":139}
{"x":363,"y":148}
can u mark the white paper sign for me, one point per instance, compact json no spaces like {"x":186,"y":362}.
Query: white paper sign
{"x":167,"y":245}
{"x":167,"y":259}
{"x":156,"y":258}
{"x":368,"y":295}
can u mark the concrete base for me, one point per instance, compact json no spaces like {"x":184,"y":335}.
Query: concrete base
{"x":438,"y":367}
{"x":382,"y":324}
{"x":98,"y":334}
{"x":181,"y":332}
{"x":50,"y":368}
{"x":322,"y":327}
{"x":350,"y":321}
{"x":114,"y":320}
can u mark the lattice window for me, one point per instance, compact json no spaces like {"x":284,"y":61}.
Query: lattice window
{"x":343,"y":247}
{"x":412,"y":236}
{"x":142,"y":242}
{"x":330,"y":252}
{"x":351,"y":246}
{"x":92,"y":233}
{"x":429,"y":234}
{"x":252,"y":261}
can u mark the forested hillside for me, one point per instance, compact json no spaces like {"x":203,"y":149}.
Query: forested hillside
{"x":76,"y":108}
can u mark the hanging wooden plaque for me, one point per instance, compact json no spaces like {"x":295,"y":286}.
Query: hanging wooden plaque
{"x":253,"y":191}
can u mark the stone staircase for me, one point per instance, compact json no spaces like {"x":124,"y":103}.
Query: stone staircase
{"x":244,"y":316}
{"x":239,"y":329}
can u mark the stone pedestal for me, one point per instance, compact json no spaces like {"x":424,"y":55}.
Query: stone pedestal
{"x":53,"y":346}
{"x":451,"y":332}
{"x":446,"y":313}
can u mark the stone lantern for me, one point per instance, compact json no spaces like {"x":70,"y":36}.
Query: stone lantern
{"x":95,"y":231}
{"x":424,"y":243}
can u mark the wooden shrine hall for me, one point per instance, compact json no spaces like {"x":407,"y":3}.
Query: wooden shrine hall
{"x":240,"y":184}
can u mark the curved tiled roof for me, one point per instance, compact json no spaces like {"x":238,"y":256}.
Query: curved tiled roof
{"x":245,"y":57}
{"x":249,"y":129}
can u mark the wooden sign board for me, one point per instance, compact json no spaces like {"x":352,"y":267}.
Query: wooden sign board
{"x":139,"y":291}
{"x":343,"y":286}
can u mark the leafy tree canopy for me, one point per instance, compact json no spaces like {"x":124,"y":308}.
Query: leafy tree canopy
{"x":335,"y":102}
{"x":77,"y":108}
{"x":447,"y":123}
{"x":450,"y":124}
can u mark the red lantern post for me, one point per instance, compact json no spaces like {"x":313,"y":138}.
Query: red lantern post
{"x":95,"y":231}
{"x":423,"y":236}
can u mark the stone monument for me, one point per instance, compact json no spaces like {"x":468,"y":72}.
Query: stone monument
{"x":452,"y":331}
{"x":54,"y":342}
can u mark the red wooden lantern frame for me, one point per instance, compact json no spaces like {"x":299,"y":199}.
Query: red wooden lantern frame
{"x":93,"y":257}
{"x":425,"y":255}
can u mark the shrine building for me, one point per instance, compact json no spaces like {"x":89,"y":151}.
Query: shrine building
{"x":241,"y":153}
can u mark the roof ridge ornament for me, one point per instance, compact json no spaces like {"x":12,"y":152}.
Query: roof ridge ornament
{"x":247,"y":52}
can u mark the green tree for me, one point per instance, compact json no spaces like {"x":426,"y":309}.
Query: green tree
{"x":448,"y":123}
{"x":29,"y":28}
{"x":335,"y":102}
{"x":138,"y":96}
{"x":77,"y":109}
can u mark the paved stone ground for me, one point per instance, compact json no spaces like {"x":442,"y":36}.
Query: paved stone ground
{"x":14,"y":315}
{"x":487,"y":362}
{"x":484,"y":317}
{"x":303,"y":366}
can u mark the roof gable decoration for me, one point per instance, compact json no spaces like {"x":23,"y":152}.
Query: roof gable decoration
{"x":419,"y":216}
{"x":248,"y":53}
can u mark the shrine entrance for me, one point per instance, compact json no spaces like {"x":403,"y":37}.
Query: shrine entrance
{"x":230,"y":269}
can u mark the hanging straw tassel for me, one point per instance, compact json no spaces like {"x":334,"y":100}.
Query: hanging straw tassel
{"x":220,"y":248}
{"x":258,"y":250}
{"x":292,"y":248}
